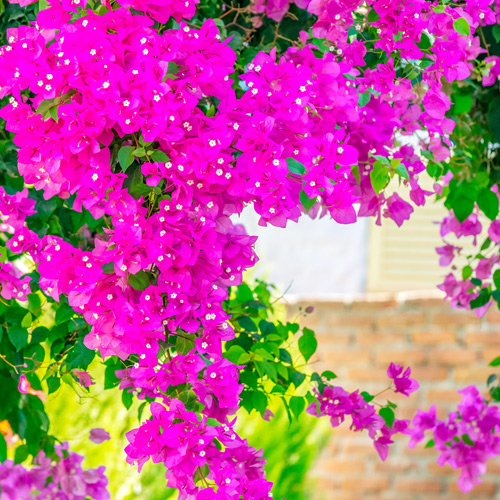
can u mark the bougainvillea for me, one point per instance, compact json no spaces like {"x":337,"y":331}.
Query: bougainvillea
{"x":141,"y":130}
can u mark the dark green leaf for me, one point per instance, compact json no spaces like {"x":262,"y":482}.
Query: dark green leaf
{"x":487,"y":201}
{"x":3,"y":449}
{"x":18,"y":336}
{"x":126,"y":157}
{"x":259,"y":401}
{"x":53,"y":383}
{"x":127,"y":399}
{"x":297,"y":378}
{"x":373,"y":17}
{"x":139,"y":281}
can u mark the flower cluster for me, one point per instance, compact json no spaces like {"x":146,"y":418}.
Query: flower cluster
{"x":466,"y":439}
{"x":64,"y":479}
{"x":337,"y":403}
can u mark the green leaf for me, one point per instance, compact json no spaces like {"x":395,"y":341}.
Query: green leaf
{"x":18,"y":336}
{"x":425,"y":42}
{"x":364,"y":99}
{"x":329,"y":375}
{"x":491,"y":379}
{"x":139,"y":281}
{"x":388,"y":415}
{"x":462,"y":103}
{"x":461,"y":26}
{"x":495,"y":362}
{"x":430,"y":443}
{"x":367,"y":397}
{"x":211,"y":111}
{"x":3,"y":449}
{"x":21,"y":454}
{"x":438,"y":9}
{"x":297,"y":378}
{"x":108,"y":268}
{"x":64,"y":313}
{"x":466,"y":272}
{"x":467,"y":440}
{"x":373,"y":17}
{"x":496,"y":278}
{"x":496,"y":32}
{"x":234,"y":353}
{"x":379,"y":176}
{"x":126,"y":157}
{"x":27,"y":320}
{"x":306,"y":202}
{"x":185,"y":343}
{"x":140,"y":152}
{"x":3,"y":255}
{"x":295,"y":167}
{"x":481,"y":300}
{"x":159,"y":156}
{"x":401,"y":170}
{"x":297,"y":405}
{"x":259,"y":401}
{"x":285,"y":356}
{"x":53,"y":383}
{"x":80,"y":356}
{"x":487,"y":201}
{"x":247,"y":324}
{"x":266,"y":327}
{"x":307,"y":343}
{"x":127,"y":399}
{"x":34,"y":303}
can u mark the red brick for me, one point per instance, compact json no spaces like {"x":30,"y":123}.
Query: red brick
{"x":338,"y":466}
{"x":484,"y":487}
{"x":435,"y":469}
{"x":472,"y":374}
{"x":345,"y":356}
{"x":446,"y":395}
{"x":380,"y":338}
{"x":453,"y":357}
{"x":366,"y":484}
{"x":430,"y":373}
{"x":483,"y":339}
{"x":335,"y":338}
{"x":437,"y":337}
{"x":417,"y":486}
{"x":457,"y":318}
{"x":367,"y":375}
{"x":406,"y":357}
{"x":402,"y":319}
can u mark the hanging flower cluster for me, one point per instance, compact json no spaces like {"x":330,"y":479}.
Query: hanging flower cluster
{"x":466,"y":439}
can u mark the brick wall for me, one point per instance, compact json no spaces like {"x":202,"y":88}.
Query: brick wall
{"x":446,"y":350}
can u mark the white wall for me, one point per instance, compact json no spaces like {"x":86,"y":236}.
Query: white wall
{"x":311,"y":257}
